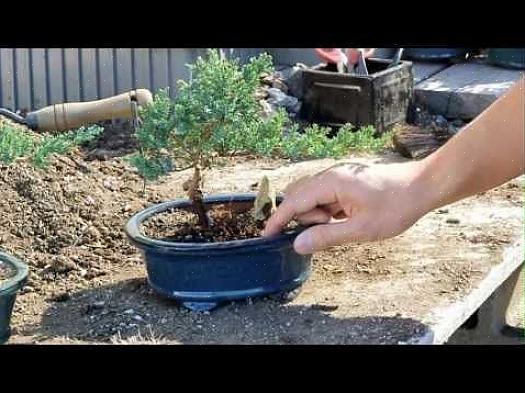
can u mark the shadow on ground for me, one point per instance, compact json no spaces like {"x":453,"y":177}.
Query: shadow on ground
{"x":128,"y":309}
{"x":117,"y":140}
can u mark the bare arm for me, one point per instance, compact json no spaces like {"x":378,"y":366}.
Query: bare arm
{"x":384,"y":200}
{"x":487,"y":153}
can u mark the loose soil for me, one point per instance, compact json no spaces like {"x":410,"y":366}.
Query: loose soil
{"x":5,"y":272}
{"x":228,"y":223}
{"x":87,"y":284}
{"x":116,"y":140}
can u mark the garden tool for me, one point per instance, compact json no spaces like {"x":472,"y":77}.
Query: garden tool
{"x":354,"y":60}
{"x":61,"y":117}
{"x":397,"y":58}
{"x":361,"y":68}
{"x":342,"y":65}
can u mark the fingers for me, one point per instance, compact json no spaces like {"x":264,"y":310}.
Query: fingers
{"x":315,"y":216}
{"x":321,"y":237}
{"x":293,"y":186}
{"x":353,"y":56}
{"x":340,"y":215}
{"x":322,"y":215}
{"x":315,"y":192}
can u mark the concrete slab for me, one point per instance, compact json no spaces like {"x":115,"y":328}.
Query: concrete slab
{"x":425,"y":70}
{"x":465,"y":90}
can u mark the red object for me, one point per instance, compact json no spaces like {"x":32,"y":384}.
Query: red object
{"x":353,"y":55}
{"x":330,"y":55}
{"x":336,"y":55}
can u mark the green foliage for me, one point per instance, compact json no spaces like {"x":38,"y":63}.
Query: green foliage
{"x":157,"y":122}
{"x":313,"y":143}
{"x":212,"y":113}
{"x":264,"y":137}
{"x":217,"y":113}
{"x":17,"y":142}
{"x":151,"y":168}
{"x":268,"y":138}
{"x":364,"y":140}
{"x":154,"y":136}
{"x":256,"y":67}
{"x":62,"y":144}
{"x":214,"y":108}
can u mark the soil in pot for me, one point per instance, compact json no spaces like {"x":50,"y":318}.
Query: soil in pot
{"x":6,"y":272}
{"x":229,"y":222}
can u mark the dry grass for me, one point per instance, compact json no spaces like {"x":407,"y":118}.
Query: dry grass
{"x":149,"y":338}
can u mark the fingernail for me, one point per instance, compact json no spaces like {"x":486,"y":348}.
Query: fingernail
{"x":304,"y":244}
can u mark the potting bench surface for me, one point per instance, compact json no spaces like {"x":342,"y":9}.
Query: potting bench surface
{"x":417,"y":288}
{"x":455,"y":262}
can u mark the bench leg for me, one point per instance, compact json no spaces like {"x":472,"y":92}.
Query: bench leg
{"x":488,"y":325}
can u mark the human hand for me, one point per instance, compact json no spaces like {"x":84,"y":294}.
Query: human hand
{"x":351,"y":203}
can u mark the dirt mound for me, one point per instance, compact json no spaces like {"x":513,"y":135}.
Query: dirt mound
{"x":66,"y":222}
{"x":116,"y":140}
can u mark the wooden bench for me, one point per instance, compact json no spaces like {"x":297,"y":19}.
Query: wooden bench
{"x":398,"y":298}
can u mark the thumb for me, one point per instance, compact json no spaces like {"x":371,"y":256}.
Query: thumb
{"x":321,"y":237}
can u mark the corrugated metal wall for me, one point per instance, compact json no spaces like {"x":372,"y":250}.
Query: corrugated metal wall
{"x":31,"y":78}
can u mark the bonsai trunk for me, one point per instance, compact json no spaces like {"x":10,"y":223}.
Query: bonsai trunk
{"x":193,"y":188}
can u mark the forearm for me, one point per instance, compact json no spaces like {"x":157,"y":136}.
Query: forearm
{"x":382,"y":201}
{"x":487,"y":153}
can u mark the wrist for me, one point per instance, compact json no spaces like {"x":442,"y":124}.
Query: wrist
{"x":437,"y":182}
{"x":425,"y":188}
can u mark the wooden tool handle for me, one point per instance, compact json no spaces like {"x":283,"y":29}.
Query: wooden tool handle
{"x":60,"y":117}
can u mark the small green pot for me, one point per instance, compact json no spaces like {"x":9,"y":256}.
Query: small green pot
{"x":8,"y":292}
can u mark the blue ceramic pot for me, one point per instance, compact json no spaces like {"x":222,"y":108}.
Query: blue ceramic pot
{"x":203,"y":275}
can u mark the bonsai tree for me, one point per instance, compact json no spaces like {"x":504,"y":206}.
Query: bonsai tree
{"x":208,"y":117}
{"x":217,"y":113}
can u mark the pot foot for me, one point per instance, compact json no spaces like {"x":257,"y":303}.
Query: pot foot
{"x":287,"y":296}
{"x":200,"y":306}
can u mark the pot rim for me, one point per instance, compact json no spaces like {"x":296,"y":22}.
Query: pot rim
{"x":133,"y":232}
{"x":14,"y":283}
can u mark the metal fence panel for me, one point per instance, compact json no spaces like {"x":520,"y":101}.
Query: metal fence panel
{"x":31,"y":78}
